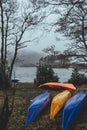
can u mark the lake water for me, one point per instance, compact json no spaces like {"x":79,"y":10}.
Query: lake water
{"x":28,"y":74}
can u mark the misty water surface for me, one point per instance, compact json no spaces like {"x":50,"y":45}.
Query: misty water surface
{"x":28,"y":74}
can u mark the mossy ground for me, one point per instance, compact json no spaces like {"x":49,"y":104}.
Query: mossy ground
{"x":24,"y":93}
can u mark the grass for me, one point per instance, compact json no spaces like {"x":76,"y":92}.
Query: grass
{"x":24,"y":93}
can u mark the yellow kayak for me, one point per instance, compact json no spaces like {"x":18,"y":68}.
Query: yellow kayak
{"x":58,"y":102}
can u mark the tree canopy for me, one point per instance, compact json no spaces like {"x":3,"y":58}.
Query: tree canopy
{"x":72,"y":22}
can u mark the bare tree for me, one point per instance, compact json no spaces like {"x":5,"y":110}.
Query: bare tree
{"x":51,"y":54}
{"x":74,"y":25}
{"x":72,"y":21}
{"x":14,"y":23}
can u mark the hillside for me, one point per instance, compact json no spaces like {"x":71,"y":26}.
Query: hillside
{"x":28,"y":58}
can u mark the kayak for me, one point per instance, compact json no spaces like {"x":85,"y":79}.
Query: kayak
{"x":58,"y":102}
{"x":36,"y":106}
{"x":58,"y":85}
{"x":72,"y":109}
{"x":14,"y":80}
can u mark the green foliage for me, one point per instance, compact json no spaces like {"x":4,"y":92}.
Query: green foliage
{"x":77,"y":78}
{"x":45,"y":74}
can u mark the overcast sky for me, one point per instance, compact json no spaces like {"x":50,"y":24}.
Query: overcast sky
{"x":46,"y":40}
{"x":43,"y":39}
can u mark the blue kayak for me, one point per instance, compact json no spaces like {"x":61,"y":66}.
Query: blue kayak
{"x":14,"y":80}
{"x":36,"y":106}
{"x":72,"y":109}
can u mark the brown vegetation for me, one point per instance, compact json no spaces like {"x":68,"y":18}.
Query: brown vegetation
{"x":24,"y":93}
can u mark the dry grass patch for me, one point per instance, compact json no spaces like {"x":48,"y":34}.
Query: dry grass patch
{"x":24,"y":93}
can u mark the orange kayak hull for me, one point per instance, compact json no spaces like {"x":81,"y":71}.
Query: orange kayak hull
{"x":58,"y":85}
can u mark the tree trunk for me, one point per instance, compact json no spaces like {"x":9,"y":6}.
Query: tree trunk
{"x":2,"y":33}
{"x":6,"y":111}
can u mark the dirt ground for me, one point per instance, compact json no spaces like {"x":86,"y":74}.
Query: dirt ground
{"x":24,"y":93}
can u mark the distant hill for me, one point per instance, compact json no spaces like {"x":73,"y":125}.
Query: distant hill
{"x":26,"y":58}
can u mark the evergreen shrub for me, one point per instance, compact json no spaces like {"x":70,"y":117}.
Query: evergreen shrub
{"x":77,"y":78}
{"x":45,"y":74}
